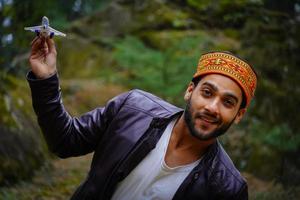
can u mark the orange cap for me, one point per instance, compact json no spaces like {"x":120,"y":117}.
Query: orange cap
{"x":231,"y":66}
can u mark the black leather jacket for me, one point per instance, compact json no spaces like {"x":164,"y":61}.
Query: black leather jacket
{"x":121,"y":134}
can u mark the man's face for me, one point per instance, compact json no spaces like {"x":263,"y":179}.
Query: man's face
{"x":212,"y":106}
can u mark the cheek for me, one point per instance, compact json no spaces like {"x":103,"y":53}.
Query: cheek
{"x":228,"y":115}
{"x":198,"y":101}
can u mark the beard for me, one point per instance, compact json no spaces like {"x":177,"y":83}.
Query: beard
{"x":190,"y":121}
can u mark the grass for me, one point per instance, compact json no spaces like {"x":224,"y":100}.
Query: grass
{"x":55,"y":181}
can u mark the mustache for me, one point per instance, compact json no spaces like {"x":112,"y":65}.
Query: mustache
{"x":208,"y":116}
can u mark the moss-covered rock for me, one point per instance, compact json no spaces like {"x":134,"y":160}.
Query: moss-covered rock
{"x":208,"y":40}
{"x":125,"y":17}
{"x":82,"y":58}
{"x":22,"y":149}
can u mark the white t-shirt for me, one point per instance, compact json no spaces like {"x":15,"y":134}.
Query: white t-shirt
{"x":152,"y":179}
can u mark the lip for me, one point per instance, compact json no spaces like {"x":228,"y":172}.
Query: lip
{"x":208,"y":120}
{"x":204,"y":124}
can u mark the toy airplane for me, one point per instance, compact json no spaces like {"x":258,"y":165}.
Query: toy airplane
{"x":44,"y":30}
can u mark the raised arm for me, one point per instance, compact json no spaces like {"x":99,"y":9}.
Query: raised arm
{"x":66,"y":136}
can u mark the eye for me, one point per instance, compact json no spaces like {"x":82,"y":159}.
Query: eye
{"x":229,"y":103}
{"x":206,"y":92}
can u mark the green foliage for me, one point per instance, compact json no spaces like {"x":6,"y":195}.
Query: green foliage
{"x":278,"y":193}
{"x":145,"y":65}
{"x":225,"y":13}
{"x":165,"y":73}
{"x":274,"y":55}
{"x":279,"y":137}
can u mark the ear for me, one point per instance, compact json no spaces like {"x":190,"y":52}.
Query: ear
{"x":189,"y":91}
{"x":239,"y":115}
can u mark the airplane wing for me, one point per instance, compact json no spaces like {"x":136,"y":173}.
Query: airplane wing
{"x":56,"y":32}
{"x":33,"y":28}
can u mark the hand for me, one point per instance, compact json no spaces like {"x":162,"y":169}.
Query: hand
{"x":43,"y":57}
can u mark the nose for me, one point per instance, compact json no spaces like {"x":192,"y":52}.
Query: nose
{"x":212,"y":106}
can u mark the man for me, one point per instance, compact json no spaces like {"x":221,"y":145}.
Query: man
{"x":144,"y":147}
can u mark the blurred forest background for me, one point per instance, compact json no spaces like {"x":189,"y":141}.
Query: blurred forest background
{"x":115,"y":45}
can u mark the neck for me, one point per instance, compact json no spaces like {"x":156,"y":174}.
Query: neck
{"x":181,"y":138}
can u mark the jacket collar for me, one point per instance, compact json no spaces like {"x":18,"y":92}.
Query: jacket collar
{"x":158,"y":122}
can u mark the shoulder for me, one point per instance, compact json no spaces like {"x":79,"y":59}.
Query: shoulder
{"x":226,"y":178}
{"x":149,"y":103}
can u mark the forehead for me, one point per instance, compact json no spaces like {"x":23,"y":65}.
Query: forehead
{"x":223,"y":83}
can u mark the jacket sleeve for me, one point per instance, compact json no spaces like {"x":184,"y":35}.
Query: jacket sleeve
{"x":65,"y":135}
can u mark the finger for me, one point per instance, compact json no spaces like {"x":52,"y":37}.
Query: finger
{"x":39,"y":45}
{"x":51,"y":45}
{"x":36,"y":45}
{"x":45,"y":47}
{"x":38,"y":55}
{"x":34,"y":40}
